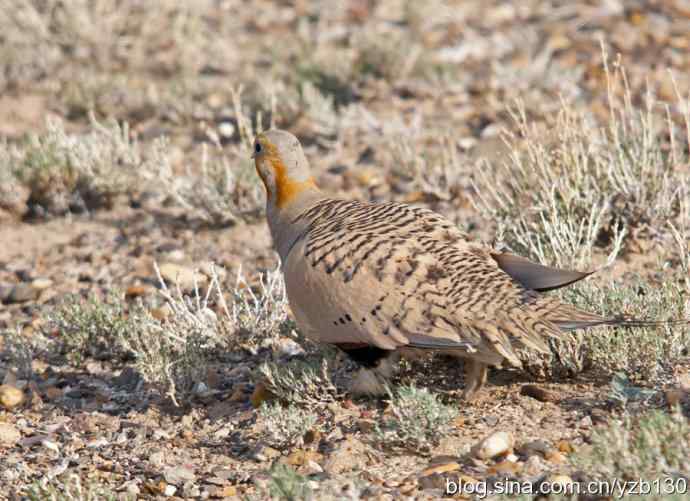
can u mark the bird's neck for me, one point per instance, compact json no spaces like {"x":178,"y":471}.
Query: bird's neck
{"x":281,"y":216}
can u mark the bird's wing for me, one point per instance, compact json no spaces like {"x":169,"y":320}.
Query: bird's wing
{"x":393,"y":275}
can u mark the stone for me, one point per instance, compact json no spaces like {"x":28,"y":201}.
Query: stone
{"x":5,"y":291}
{"x":134,"y":291}
{"x":9,"y":435}
{"x":497,"y":444}
{"x":41,"y":284}
{"x":441,"y":468}
{"x":186,"y":278}
{"x":178,"y":475}
{"x":21,"y":293}
{"x":10,"y":396}
{"x":565,"y":446}
{"x":538,"y":393}
{"x":562,"y":480}
{"x":535,"y":447}
{"x":348,"y":455}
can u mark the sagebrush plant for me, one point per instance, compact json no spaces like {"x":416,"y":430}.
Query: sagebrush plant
{"x":416,"y":420}
{"x":91,"y":327}
{"x":651,"y":446}
{"x":300,"y":382}
{"x":17,"y":353}
{"x":286,"y":483}
{"x":645,"y":354}
{"x":283,"y":427}
{"x":175,"y":354}
{"x":77,"y":172}
{"x":222,"y":187}
{"x":72,"y":488}
{"x":260,"y":316}
{"x":559,"y":202}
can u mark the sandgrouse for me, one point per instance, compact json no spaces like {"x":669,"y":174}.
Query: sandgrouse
{"x":376,"y":279}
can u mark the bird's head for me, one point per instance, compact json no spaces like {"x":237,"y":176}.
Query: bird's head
{"x":282,"y":166}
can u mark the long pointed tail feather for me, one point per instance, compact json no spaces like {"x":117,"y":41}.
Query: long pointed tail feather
{"x":570,"y":325}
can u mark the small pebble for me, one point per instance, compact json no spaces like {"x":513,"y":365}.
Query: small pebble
{"x":538,"y":393}
{"x":9,"y":435}
{"x":22,"y":292}
{"x":10,"y":396}
{"x":497,"y":444}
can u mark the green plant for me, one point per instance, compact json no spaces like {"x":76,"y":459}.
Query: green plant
{"x":652,"y":446}
{"x":561,"y":201}
{"x":418,"y":420}
{"x":72,"y":488}
{"x":285,"y":483}
{"x":300,"y":382}
{"x":91,"y":327}
{"x":284,"y":427}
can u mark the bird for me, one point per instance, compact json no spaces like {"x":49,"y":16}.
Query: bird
{"x":382,"y":280}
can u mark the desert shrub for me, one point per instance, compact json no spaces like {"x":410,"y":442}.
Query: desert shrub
{"x":650,"y":447}
{"x":77,"y":172}
{"x":300,"y":382}
{"x":562,"y":201}
{"x":284,"y":427}
{"x":72,"y":488}
{"x":642,"y":353}
{"x":416,"y":420}
{"x":222,"y":186}
{"x":259,"y":316}
{"x":286,"y":483}
{"x":91,"y":327}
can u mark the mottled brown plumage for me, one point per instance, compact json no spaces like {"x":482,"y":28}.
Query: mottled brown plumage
{"x":377,"y":278}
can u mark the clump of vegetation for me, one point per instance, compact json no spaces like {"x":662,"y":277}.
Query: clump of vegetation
{"x":642,"y":353}
{"x":72,"y":488}
{"x":259,"y":316}
{"x":286,"y":483}
{"x":223,"y":186}
{"x":91,"y":328}
{"x":284,"y":427}
{"x":76,"y":173}
{"x":174,"y":353}
{"x":17,"y":353}
{"x":653,"y":446}
{"x":416,"y":420}
{"x":559,"y":202}
{"x":300,"y":382}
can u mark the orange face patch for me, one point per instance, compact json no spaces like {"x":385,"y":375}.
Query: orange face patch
{"x":286,"y":189}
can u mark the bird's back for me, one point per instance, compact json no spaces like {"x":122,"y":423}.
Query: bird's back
{"x":390,"y":275}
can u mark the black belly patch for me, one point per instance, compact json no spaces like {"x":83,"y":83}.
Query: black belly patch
{"x":368,"y":356}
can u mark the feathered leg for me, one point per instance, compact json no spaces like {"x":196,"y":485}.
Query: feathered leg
{"x":475,"y":377}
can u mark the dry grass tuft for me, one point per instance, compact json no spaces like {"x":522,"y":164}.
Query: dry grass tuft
{"x":566,"y":200}
{"x":653,"y":446}
{"x":300,"y":382}
{"x":416,"y":420}
{"x":285,"y":427}
{"x":76,"y":173}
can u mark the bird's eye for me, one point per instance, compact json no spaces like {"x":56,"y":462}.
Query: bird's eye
{"x":257,"y":148}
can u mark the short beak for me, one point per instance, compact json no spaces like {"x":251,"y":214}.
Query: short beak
{"x":253,"y":155}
